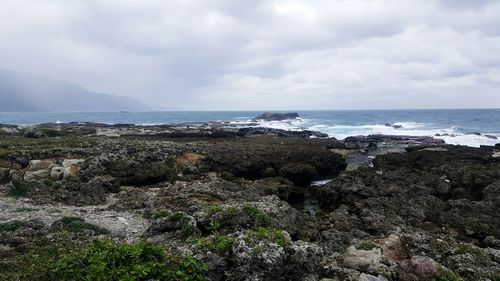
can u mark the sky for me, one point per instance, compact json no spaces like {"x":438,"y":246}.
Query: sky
{"x":263,"y":54}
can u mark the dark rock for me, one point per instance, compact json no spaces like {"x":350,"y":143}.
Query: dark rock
{"x":473,"y":133}
{"x":299,"y":174}
{"x":4,"y":175}
{"x":270,"y":116}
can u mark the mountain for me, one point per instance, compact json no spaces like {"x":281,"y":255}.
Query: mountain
{"x":26,"y":92}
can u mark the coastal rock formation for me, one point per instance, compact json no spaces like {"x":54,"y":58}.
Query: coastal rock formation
{"x":241,"y":203}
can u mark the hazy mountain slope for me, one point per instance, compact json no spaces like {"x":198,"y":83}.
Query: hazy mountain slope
{"x":25,"y":92}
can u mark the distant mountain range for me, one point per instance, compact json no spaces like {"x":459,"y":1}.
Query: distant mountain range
{"x":25,"y":92}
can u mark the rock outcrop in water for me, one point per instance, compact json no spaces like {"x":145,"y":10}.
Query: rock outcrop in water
{"x":270,"y":116}
{"x":240,"y":202}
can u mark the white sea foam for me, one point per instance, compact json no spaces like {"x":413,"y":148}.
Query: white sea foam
{"x":450,"y":135}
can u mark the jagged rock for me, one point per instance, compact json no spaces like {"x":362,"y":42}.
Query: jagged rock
{"x":368,"y":277}
{"x":307,"y":256}
{"x":300,"y":174}
{"x":492,"y":192}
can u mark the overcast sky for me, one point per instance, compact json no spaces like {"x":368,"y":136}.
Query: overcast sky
{"x":263,"y":54}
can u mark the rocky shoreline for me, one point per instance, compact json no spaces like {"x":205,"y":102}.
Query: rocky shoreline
{"x":249,"y":203}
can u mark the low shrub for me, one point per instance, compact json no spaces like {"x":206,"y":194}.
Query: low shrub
{"x":78,"y":225}
{"x":106,"y":260}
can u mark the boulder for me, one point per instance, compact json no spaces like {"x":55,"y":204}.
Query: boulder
{"x":362,"y":259}
{"x":424,"y":267}
{"x":36,"y":175}
{"x":35,"y":165}
{"x":57,"y":173}
{"x":270,"y":116}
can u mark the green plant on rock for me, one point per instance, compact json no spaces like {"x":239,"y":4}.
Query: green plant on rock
{"x":446,"y":275}
{"x":188,"y":230}
{"x":19,"y":189}
{"x":213,"y":209}
{"x":214,"y":225}
{"x":109,"y":261}
{"x":15,"y":145}
{"x":276,"y":236}
{"x":366,"y":246}
{"x":11,"y":225}
{"x":78,"y":225}
{"x":261,"y":218}
{"x":219,"y":243}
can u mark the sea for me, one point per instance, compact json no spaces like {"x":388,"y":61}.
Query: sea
{"x":471,"y":127}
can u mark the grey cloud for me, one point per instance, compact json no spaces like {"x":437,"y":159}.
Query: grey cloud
{"x":224,"y":54}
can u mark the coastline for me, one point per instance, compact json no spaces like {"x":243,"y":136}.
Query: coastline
{"x":246,"y":202}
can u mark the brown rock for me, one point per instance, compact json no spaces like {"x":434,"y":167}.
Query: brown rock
{"x":393,"y":247}
{"x":70,"y":171}
{"x":5,"y":164}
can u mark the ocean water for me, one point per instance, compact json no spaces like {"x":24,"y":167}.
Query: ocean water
{"x":455,"y":124}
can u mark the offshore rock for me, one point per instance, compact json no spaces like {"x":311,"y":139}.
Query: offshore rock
{"x":270,"y":116}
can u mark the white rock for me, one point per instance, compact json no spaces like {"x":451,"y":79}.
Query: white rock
{"x":361,"y":259}
{"x":70,"y":162}
{"x":36,"y":165}
{"x":36,"y":175}
{"x":57,"y":173}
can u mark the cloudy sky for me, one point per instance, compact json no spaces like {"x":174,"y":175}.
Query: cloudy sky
{"x":263,"y":54}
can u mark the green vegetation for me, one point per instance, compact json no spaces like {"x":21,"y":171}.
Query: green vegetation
{"x":214,"y":225}
{"x":11,"y":225}
{"x":106,"y":261}
{"x":213,"y":209}
{"x":19,"y":189}
{"x":261,"y":218}
{"x":445,"y":275}
{"x":366,"y":246}
{"x":218,"y":243}
{"x":188,"y":230}
{"x":51,"y":183}
{"x":15,"y":145}
{"x":177,"y":216}
{"x":276,"y":236}
{"x":78,"y":225}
